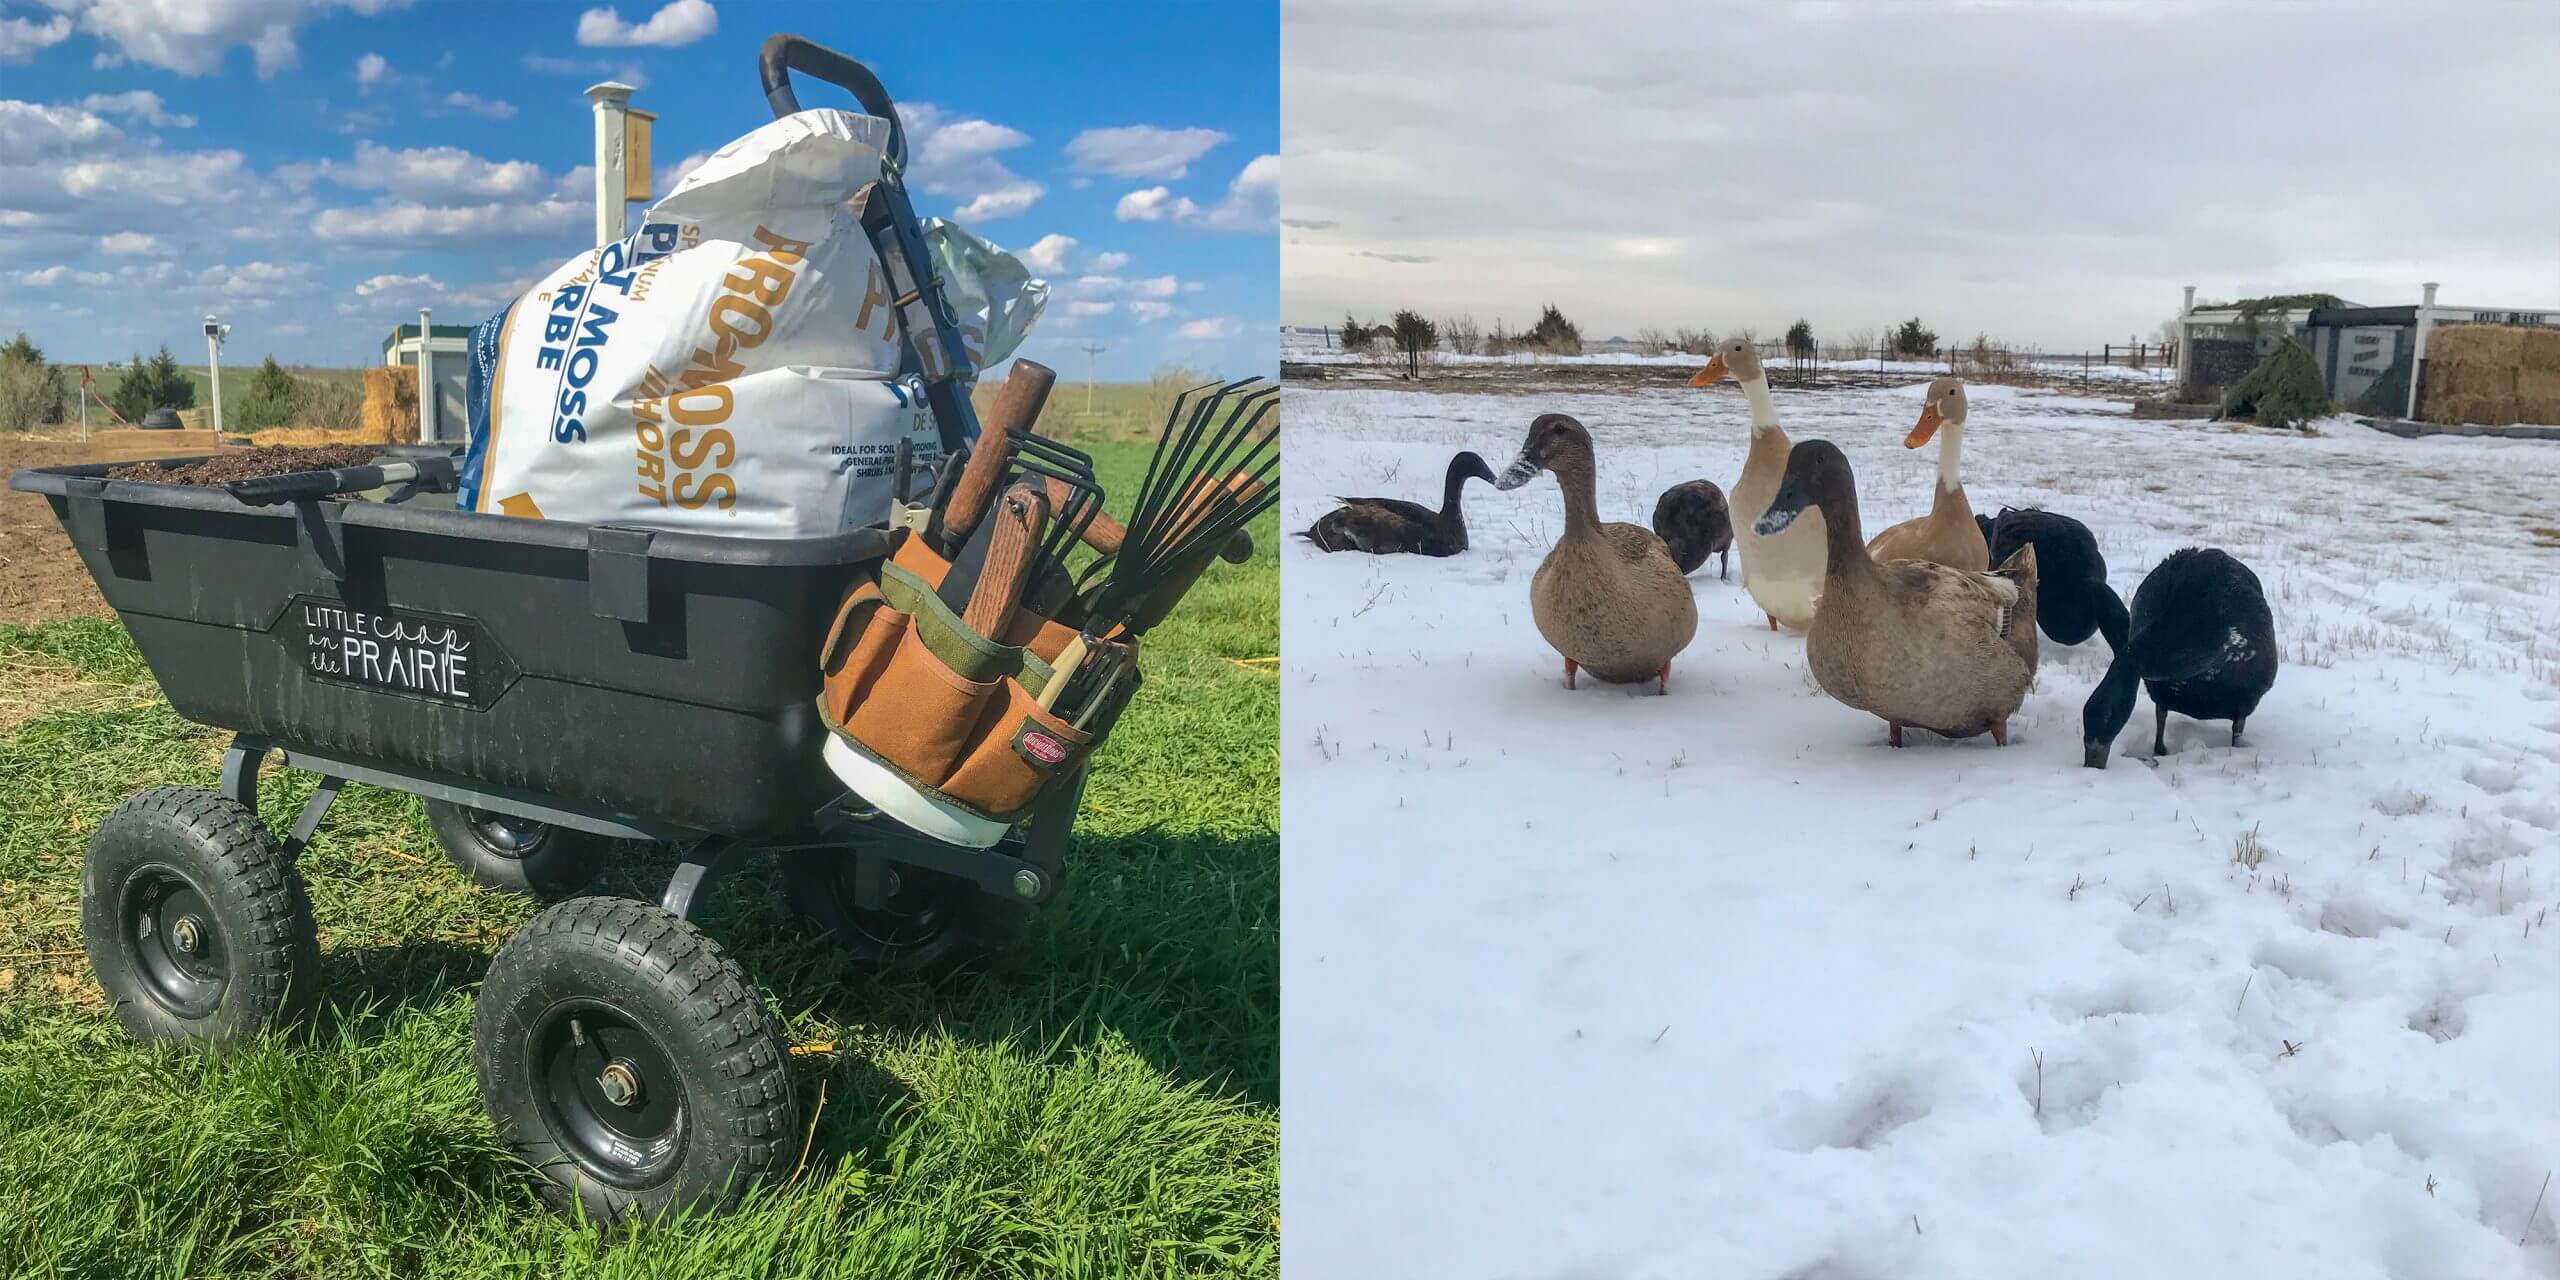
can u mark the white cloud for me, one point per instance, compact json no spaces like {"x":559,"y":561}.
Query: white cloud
{"x":1099,"y":284}
{"x":371,"y":69}
{"x":128,"y":244}
{"x":1159,"y":287}
{"x":1252,"y":203}
{"x":138,"y":104}
{"x":254,"y":280}
{"x":1003,"y":202}
{"x":957,"y":158}
{"x":191,"y":37}
{"x":169,"y":180}
{"x":1141,"y":151}
{"x":410,"y":220}
{"x":1090,"y":308}
{"x":1109,"y":261}
{"x":1213,"y":329}
{"x":679,"y":23}
{"x":31,"y":130}
{"x":21,"y":38}
{"x":1155,"y":204}
{"x":1048,"y":254}
{"x":436,"y":174}
{"x":486,"y":108}
{"x":47,"y":277}
{"x":421,"y":282}
{"x":1151,"y":311}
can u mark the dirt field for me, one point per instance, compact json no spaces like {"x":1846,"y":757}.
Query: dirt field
{"x":40,"y":578}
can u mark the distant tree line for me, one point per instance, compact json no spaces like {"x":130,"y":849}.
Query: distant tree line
{"x":35,"y":392}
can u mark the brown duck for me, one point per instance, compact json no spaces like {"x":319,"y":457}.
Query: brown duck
{"x":1911,"y":641}
{"x":1947,"y":535}
{"x":1608,"y":596}
{"x":1693,"y":521}
{"x":1392,"y":526}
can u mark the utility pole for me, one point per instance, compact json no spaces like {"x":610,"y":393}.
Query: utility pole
{"x":1090,"y":351}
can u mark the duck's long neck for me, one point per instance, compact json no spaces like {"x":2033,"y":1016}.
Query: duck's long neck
{"x":1454,"y":485}
{"x":1764,"y":411}
{"x":1951,"y":456}
{"x":1581,"y":497}
{"x":1845,"y":542}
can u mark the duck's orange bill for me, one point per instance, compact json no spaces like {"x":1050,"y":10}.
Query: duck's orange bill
{"x":1712,"y":374}
{"x":1928,"y":427}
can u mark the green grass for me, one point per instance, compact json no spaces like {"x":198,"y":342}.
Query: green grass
{"x":1107,"y":1109}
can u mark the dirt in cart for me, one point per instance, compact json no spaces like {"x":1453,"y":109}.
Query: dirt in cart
{"x":247,"y":464}
{"x":40,"y":577}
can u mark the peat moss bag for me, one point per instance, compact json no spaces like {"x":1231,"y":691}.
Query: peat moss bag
{"x":734,"y":366}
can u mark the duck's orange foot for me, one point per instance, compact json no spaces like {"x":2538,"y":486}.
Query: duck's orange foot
{"x":1569,"y":668}
{"x":1664,"y":676}
{"x":1894,"y":732}
{"x":1773,"y":620}
{"x":2000,"y":732}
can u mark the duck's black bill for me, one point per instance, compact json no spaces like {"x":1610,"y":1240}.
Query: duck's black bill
{"x":2093,"y":753}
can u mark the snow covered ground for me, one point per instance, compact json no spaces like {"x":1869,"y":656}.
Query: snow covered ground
{"x":1600,"y":984}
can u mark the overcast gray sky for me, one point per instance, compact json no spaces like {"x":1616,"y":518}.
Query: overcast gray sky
{"x":2049,"y":174}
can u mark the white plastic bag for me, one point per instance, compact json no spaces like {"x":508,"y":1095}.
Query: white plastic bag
{"x":733,"y":365}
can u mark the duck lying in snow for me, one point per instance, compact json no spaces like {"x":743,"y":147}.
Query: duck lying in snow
{"x":2202,"y":641}
{"x":1390,"y":526}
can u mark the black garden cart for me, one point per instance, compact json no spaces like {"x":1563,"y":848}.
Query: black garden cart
{"x":547,"y":688}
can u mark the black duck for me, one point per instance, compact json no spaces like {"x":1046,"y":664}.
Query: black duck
{"x":2073,"y":596}
{"x":1692,"y":520}
{"x":2202,"y":641}
{"x":1393,"y":526}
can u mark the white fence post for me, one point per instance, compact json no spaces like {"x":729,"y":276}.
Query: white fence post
{"x":612,"y":101}
{"x":2418,"y":358}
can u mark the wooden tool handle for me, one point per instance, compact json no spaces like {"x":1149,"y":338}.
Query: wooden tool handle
{"x":1011,"y":544}
{"x":1018,"y":405}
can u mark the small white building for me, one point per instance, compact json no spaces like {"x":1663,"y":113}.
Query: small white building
{"x":443,"y":413}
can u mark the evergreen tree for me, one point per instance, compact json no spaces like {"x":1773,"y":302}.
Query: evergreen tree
{"x":151,"y":384}
{"x":272,"y":399}
{"x":1414,"y":335}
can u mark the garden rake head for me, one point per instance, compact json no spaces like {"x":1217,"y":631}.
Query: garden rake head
{"x":1215,"y":469}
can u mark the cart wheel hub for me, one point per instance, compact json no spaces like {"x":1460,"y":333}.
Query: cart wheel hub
{"x":619,"y":1083}
{"x":188,"y":935}
{"x":1027,"y":883}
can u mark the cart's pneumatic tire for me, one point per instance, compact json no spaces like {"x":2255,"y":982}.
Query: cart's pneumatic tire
{"x":628,"y":1060}
{"x":514,"y":855}
{"x":934,"y":926}
{"x":196,"y":923}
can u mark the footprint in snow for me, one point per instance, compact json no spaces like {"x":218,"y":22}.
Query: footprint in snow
{"x":1861,"y":1116}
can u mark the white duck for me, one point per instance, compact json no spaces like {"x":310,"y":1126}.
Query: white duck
{"x":1783,"y":570}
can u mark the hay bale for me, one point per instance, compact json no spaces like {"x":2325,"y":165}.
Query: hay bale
{"x":2473,"y":379}
{"x":2541,"y":350}
{"x":390,"y":405}
{"x":2495,"y":346}
{"x":2542,"y":411}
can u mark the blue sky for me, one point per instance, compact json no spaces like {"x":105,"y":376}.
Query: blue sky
{"x":317,"y":170}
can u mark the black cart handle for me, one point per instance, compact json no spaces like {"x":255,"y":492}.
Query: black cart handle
{"x":434,"y":475}
{"x":784,"y":53}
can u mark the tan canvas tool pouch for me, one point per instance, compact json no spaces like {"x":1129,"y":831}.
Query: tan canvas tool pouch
{"x":951,"y":712}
